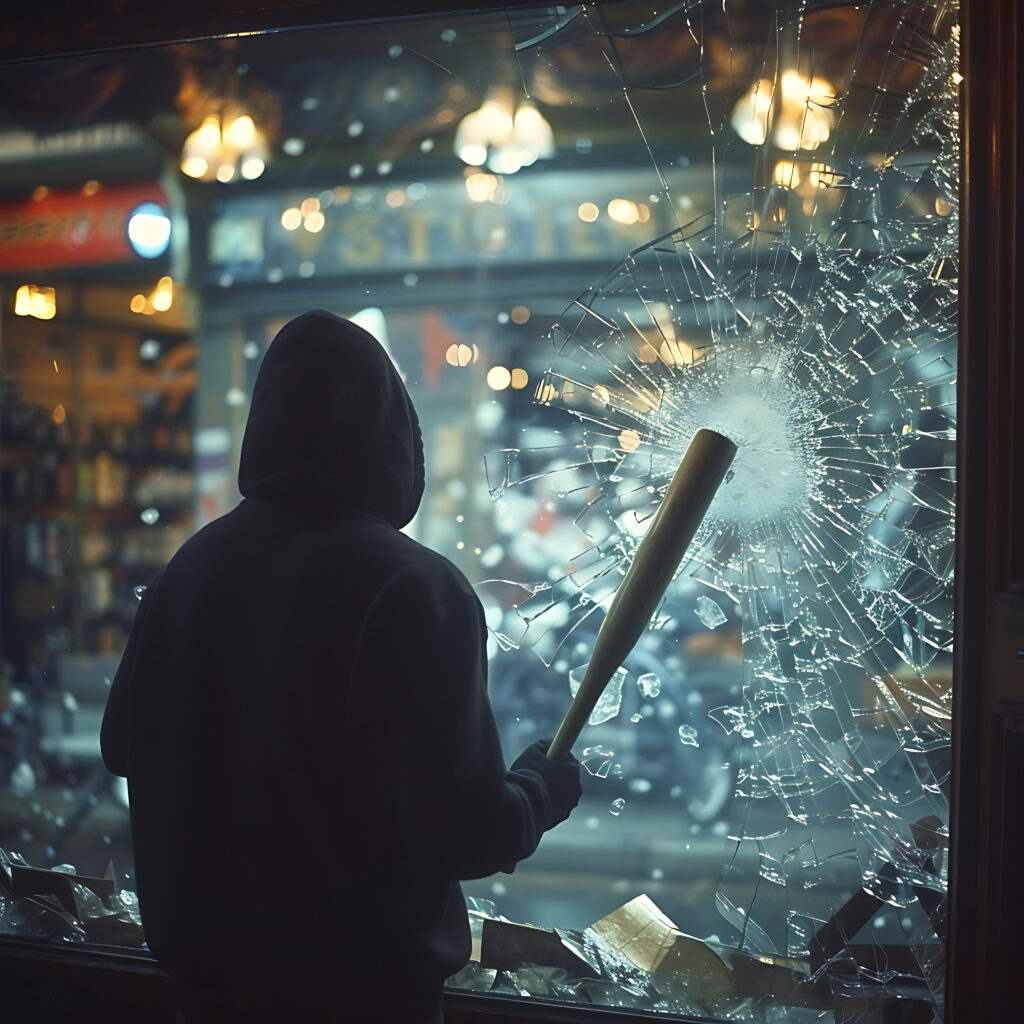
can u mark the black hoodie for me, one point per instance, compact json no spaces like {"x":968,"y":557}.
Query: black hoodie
{"x":301,"y":712}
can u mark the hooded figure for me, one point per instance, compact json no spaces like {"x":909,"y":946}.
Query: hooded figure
{"x":302,"y":716}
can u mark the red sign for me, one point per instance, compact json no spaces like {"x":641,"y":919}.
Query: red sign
{"x":72,"y":229}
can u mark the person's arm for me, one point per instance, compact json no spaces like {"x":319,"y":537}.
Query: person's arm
{"x":456,"y":804}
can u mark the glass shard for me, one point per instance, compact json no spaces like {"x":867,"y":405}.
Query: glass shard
{"x":709,"y":612}
{"x":610,"y":701}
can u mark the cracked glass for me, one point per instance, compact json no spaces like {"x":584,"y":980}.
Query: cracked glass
{"x":804,"y":305}
{"x":584,"y":233}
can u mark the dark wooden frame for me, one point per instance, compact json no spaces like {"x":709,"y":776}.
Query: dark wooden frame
{"x":987,"y":881}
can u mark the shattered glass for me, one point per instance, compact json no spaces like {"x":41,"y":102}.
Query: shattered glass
{"x":597,"y":760}
{"x":38,"y":904}
{"x":709,"y":612}
{"x":637,"y":958}
{"x":610,"y":701}
{"x":650,"y":684}
{"x":688,"y":735}
{"x":804,"y":304}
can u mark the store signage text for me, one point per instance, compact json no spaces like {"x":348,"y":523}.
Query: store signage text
{"x":71,"y":229}
{"x":93,"y":138}
{"x":444,"y":230}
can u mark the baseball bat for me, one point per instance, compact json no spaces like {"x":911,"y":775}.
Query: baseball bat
{"x":678,"y":518}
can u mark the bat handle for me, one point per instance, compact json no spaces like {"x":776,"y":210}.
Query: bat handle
{"x":568,"y":733}
{"x":600,"y":669}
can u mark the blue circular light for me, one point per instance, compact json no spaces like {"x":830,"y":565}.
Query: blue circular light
{"x":149,"y":230}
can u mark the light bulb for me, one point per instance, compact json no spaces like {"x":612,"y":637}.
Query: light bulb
{"x":252,"y":167}
{"x":505,"y":160}
{"x":206,"y":139}
{"x":164,"y":294}
{"x":241,"y":133}
{"x":496,"y":121}
{"x":473,"y":154}
{"x":750,"y":116}
{"x":471,"y":140}
{"x":533,"y":132}
{"x":623,"y":211}
{"x":194,"y":166}
{"x":481,"y":187}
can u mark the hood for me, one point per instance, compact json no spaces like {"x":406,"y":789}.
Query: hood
{"x":331,"y":421}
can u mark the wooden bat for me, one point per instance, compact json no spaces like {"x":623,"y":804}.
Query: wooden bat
{"x":678,"y":518}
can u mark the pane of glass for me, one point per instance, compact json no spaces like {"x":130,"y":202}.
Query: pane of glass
{"x":583,"y":233}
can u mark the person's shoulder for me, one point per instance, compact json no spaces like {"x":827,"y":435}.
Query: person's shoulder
{"x":205,"y":551}
{"x":422,"y":568}
{"x":208,"y":535}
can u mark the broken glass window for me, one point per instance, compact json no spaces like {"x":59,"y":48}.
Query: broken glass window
{"x":803,"y":302}
{"x":770,"y":192}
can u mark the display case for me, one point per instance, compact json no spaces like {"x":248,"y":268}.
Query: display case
{"x":582,"y":233}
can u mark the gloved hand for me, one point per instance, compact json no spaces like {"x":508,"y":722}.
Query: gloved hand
{"x":561,"y":778}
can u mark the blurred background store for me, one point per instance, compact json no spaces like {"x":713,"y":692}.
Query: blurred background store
{"x":162,"y":213}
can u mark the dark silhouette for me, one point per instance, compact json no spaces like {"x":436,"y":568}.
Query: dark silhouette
{"x":301,"y":712}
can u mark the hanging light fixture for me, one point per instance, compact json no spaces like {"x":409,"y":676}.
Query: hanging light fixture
{"x":795,"y":112}
{"x":503,"y":136}
{"x":31,"y":300}
{"x":225,"y":147}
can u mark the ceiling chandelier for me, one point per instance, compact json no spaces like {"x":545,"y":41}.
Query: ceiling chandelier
{"x":794,"y":112}
{"x":503,"y":136}
{"x":224,"y":147}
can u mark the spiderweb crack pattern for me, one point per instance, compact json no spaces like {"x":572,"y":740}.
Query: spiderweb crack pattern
{"x":815,"y":325}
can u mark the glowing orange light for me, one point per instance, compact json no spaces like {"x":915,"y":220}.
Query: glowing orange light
{"x":786,"y":173}
{"x":623,"y":211}
{"x":481,"y":187}
{"x":31,"y":300}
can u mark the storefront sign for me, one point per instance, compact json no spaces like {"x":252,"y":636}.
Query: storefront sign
{"x":73,"y":229}
{"x":402,"y":226}
{"x":93,"y":138}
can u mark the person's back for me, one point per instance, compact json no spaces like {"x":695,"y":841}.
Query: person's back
{"x":301,"y":712}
